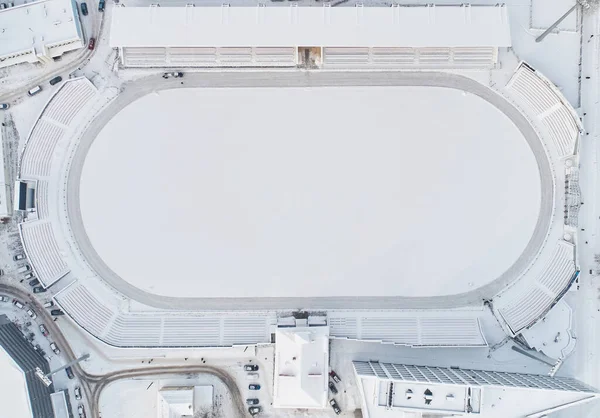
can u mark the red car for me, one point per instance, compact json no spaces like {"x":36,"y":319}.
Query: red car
{"x":92,"y":43}
{"x":43,"y":330}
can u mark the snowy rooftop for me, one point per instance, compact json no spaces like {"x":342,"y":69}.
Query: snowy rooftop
{"x":423,"y":26}
{"x":37,"y":24}
{"x":301,"y":367}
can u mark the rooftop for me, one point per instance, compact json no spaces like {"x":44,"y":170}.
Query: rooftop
{"x":264,"y":26}
{"x":36,"y":25}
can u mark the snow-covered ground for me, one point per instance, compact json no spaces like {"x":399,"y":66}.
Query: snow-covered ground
{"x":309,"y":192}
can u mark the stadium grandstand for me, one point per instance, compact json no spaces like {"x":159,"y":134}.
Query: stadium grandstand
{"x":39,"y":31}
{"x":434,"y":36}
{"x":29,"y":360}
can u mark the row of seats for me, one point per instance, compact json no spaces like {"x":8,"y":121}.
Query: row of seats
{"x":209,"y":57}
{"x":403,"y":57}
{"x":41,"y":197}
{"x":164,"y":329}
{"x":49,"y":129}
{"x":521,"y":307}
{"x":43,"y":251}
{"x":450,"y":330}
{"x":549,"y":106}
{"x":64,"y":106}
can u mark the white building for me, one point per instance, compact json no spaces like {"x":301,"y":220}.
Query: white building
{"x":390,"y":390}
{"x":39,"y":31}
{"x":301,"y":367}
{"x":176,"y":402}
{"x":277,"y":36}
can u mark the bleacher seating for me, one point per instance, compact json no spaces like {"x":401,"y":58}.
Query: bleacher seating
{"x":101,"y":317}
{"x":37,"y":156}
{"x":43,"y":251}
{"x":41,"y":205}
{"x":62,"y":108}
{"x":414,"y":328}
{"x":520,"y":307}
{"x":549,"y":106}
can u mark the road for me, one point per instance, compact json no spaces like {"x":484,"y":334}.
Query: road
{"x":92,"y":385}
{"x":137,"y":89}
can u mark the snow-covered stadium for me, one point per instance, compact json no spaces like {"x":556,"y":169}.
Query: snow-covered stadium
{"x":403,"y":206}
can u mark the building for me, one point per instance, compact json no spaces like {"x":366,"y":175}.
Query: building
{"x":61,"y":404}
{"x":387,"y":387}
{"x":39,"y":31}
{"x":301,"y":366}
{"x":434,"y":36}
{"x":23,"y":354}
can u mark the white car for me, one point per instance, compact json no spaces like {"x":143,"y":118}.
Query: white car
{"x":54,"y":348}
{"x":4,"y":298}
{"x":32,"y":314}
{"x":77,"y":393}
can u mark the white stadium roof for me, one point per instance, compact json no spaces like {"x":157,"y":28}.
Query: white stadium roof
{"x":36,"y":26}
{"x":278,"y":26}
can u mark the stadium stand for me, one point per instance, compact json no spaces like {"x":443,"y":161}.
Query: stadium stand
{"x":549,"y":105}
{"x":410,"y":328}
{"x":28,"y":359}
{"x":42,"y":250}
{"x":41,"y":193}
{"x":102,"y":318}
{"x":61,"y":109}
{"x":520,"y":308}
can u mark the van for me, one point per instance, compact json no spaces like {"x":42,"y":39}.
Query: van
{"x":34,"y":91}
{"x":24,"y":269}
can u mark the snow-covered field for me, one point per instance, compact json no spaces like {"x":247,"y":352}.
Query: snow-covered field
{"x":310,"y":192}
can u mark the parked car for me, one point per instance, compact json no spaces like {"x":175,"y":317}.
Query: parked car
{"x":77,"y":392}
{"x":39,"y":289}
{"x":55,"y":80}
{"x":34,"y":282}
{"x":254,"y":387}
{"x":28,"y":276}
{"x":252,"y":401}
{"x":39,"y":350}
{"x":54,"y":348}
{"x":4,"y":106}
{"x":92,"y":43}
{"x":30,"y":337}
{"x":251,"y":367}
{"x":34,"y":91}
{"x":31,"y":313}
{"x":84,"y":9}
{"x":101,"y":5}
{"x":44,"y":330}
{"x":174,"y":74}
{"x":69,"y":372}
{"x":81,"y":411}
{"x":49,"y":304}
{"x":4,"y":298}
{"x":332,"y":388}
{"x":335,"y":377}
{"x":56,"y":312}
{"x":335,"y":406}
{"x":18,"y":304}
{"x":2,"y":6}
{"x":254,"y":410}
{"x":24,"y":269}
{"x":1,"y":272}
{"x":252,"y":376}
{"x":19,"y":257}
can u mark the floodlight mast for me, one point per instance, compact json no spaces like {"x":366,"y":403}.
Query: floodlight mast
{"x":583,"y":3}
{"x":45,"y":378}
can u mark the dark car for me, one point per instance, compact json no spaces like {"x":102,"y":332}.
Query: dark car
{"x":251,"y":367}
{"x":34,"y":282}
{"x":56,"y":312}
{"x":332,"y":388}
{"x":55,"y":80}
{"x":335,"y":406}
{"x":38,"y":289}
{"x":69,"y":372}
{"x":254,"y":387}
{"x":92,"y":43}
{"x":4,"y":106}
{"x":252,"y":401}
{"x":335,"y":377}
{"x":101,"y":5}
{"x":84,"y":9}
{"x":254,"y":410}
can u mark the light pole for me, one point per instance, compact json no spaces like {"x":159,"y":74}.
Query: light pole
{"x":584,"y":5}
